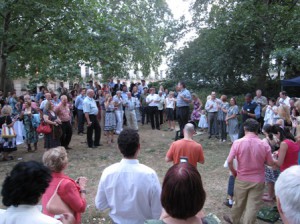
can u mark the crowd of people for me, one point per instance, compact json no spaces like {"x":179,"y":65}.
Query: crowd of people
{"x":131,"y":190}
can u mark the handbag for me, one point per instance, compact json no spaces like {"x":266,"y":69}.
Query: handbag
{"x":7,"y":132}
{"x":56,"y":205}
{"x":268,"y":214}
{"x":44,"y":128}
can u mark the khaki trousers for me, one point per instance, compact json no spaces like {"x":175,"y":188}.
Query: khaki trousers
{"x":131,"y":119}
{"x":247,"y":198}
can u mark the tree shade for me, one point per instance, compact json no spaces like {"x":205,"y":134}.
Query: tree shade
{"x":291,"y":82}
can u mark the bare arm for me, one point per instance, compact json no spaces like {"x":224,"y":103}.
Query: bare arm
{"x":231,"y":168}
{"x":283,"y":149}
{"x":167,"y":159}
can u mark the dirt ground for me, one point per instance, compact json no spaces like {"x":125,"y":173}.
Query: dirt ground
{"x":154,"y":145}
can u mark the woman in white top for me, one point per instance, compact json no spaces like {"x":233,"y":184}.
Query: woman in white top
{"x":170,"y":106}
{"x":270,"y":112}
{"x":21,"y":192}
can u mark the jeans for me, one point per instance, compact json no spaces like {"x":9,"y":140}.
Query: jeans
{"x":67,"y":132}
{"x":119,"y":118}
{"x":230,"y":187}
{"x":80,"y":117}
{"x":212,"y":121}
{"x":95,"y":127}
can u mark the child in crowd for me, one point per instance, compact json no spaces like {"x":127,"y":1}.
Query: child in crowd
{"x":169,"y":107}
{"x":230,"y":188}
{"x":203,"y":121}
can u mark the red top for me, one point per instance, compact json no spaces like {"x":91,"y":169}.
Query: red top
{"x":69,"y":193}
{"x":291,"y":156}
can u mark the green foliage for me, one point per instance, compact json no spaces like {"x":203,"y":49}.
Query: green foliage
{"x":56,"y":37}
{"x":238,"y":43}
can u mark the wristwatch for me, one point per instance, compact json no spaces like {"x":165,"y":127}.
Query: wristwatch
{"x":82,"y":191}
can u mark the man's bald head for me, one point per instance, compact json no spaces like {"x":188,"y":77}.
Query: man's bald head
{"x":189,"y":130}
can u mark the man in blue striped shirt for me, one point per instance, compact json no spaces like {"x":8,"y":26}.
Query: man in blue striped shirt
{"x":80,"y":114}
{"x":183,"y":106}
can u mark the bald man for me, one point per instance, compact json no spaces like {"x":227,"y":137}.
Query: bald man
{"x":186,"y":148}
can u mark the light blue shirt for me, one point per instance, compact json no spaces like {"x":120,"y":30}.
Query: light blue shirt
{"x":55,"y":103}
{"x":124,"y":95}
{"x":120,"y":101}
{"x":186,"y":94}
{"x":79,"y":102}
{"x":90,"y":106}
{"x":130,"y":103}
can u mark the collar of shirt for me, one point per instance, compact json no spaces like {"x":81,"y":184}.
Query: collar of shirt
{"x":129,"y":161}
{"x":251,"y":135}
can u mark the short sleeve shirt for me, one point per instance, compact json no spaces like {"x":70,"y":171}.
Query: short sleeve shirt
{"x":186,"y":148}
{"x":90,"y":106}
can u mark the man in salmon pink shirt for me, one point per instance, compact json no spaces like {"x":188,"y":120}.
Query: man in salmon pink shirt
{"x":251,"y":154}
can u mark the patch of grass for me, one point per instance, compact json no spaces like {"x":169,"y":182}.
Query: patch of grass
{"x":154,"y":145}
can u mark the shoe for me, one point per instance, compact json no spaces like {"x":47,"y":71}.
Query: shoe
{"x":217,"y":137}
{"x":68,"y":148}
{"x":224,"y":140}
{"x":158,"y":128}
{"x":98,"y":145}
{"x":81,"y":133}
{"x":226,"y":203}
{"x":267,"y":199}
{"x":92,"y":147}
{"x":209,"y":137}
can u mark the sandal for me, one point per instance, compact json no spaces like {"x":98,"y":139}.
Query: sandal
{"x":267,"y":199}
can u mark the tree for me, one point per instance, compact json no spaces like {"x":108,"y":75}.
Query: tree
{"x":239,"y":41}
{"x":47,"y":40}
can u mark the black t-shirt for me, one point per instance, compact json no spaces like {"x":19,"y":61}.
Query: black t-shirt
{"x":5,"y":119}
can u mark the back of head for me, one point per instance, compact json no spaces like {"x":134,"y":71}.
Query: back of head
{"x":287,"y":190}
{"x":251,"y":125}
{"x":55,"y":159}
{"x":189,"y":129}
{"x":183,"y":195}
{"x":25,"y":184}
{"x":129,"y":142}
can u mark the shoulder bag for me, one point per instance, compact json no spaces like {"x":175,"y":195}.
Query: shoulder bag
{"x":56,"y":205}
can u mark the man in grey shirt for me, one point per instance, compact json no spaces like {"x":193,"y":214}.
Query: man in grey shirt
{"x":211,"y":107}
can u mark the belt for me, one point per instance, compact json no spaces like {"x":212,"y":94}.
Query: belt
{"x":80,"y":109}
{"x":213,"y":112}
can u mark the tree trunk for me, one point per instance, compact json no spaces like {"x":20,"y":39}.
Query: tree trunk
{"x":3,"y":77}
{"x":4,"y":52}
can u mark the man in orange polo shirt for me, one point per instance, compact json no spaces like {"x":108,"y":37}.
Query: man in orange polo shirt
{"x":186,"y":148}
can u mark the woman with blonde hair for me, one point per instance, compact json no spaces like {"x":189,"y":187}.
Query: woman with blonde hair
{"x":52,"y":139}
{"x":196,"y":114}
{"x":7,"y":145}
{"x":284,"y":114}
{"x":110,"y":118}
{"x":72,"y":193}
{"x":170,"y":103}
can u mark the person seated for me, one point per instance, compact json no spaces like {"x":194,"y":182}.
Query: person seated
{"x":287,"y":188}
{"x":129,"y":189}
{"x":182,"y":197}
{"x":21,"y":192}
{"x":186,"y":148}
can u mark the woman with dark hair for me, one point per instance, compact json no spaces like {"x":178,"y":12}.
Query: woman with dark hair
{"x":183,"y":196}
{"x":232,"y":120}
{"x":271,"y":174}
{"x":288,"y":152}
{"x":21,"y":192}
{"x":270,"y":112}
{"x":53,"y":139}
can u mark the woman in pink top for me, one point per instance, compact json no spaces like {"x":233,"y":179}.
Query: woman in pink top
{"x":71,"y":192}
{"x":288,"y":151}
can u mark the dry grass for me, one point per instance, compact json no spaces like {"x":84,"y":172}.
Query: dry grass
{"x":154,"y":145}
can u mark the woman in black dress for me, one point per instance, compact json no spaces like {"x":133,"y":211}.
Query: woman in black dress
{"x":52,"y":140}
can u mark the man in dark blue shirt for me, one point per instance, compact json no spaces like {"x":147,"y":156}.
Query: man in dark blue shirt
{"x":250,"y":109}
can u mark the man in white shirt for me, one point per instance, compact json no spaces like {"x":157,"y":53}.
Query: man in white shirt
{"x":153,"y":100}
{"x":284,"y":99}
{"x":211,"y":107}
{"x":44,"y":102}
{"x":131,"y":190}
